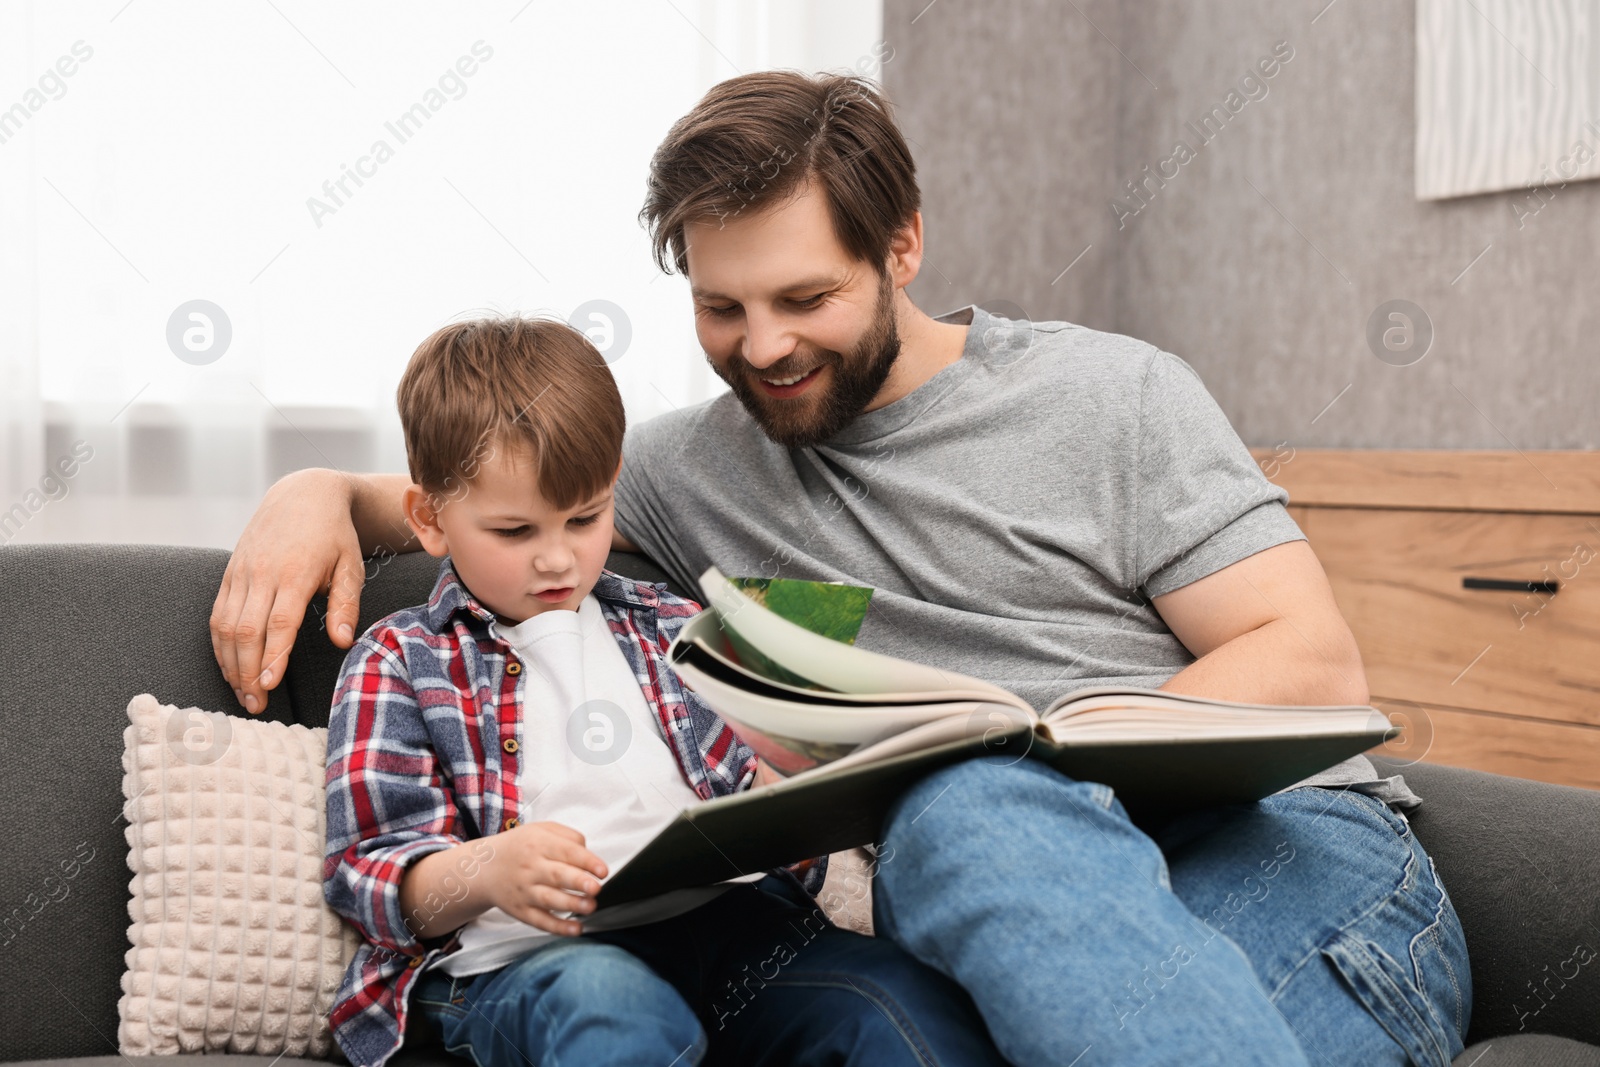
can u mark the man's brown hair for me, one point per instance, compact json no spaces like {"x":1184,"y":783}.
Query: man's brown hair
{"x":476,"y":387}
{"x":754,"y":140}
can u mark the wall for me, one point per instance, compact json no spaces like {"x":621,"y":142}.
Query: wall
{"x":1010,"y":109}
{"x":1262,"y":259}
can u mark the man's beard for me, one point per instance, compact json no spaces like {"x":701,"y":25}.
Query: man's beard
{"x":857,"y":376}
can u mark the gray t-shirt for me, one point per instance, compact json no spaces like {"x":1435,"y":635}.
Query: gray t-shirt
{"x":1015,"y":513}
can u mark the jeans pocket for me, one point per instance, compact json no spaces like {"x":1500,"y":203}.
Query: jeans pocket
{"x":438,"y":992}
{"x":1406,"y":963}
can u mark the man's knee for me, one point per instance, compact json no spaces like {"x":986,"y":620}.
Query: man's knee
{"x":981,"y":795}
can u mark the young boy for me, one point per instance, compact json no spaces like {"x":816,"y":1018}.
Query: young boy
{"x":495,"y":753}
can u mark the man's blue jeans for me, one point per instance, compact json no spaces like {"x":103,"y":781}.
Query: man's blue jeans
{"x":1308,"y":928}
{"x":757,"y":976}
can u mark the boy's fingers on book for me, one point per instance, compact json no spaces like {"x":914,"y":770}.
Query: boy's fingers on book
{"x":576,"y":858}
{"x":562,"y":877}
{"x":550,"y":898}
{"x":544,"y":920}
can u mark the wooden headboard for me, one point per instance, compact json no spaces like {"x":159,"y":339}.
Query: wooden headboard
{"x":1472,"y":583}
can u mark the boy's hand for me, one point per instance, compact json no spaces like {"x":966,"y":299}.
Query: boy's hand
{"x":535,"y":866}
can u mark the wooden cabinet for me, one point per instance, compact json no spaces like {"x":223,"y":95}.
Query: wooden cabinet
{"x":1472,"y":583}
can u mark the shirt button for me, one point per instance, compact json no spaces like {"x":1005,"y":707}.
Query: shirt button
{"x":511,"y":823}
{"x":509,"y":744}
{"x":414,"y":961}
{"x":513,"y":667}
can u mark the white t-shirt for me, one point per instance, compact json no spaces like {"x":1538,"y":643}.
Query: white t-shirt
{"x":592,"y":757}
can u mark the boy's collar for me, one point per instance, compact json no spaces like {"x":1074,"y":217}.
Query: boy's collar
{"x":450,"y":596}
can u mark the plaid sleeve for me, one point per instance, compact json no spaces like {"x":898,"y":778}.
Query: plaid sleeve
{"x":388,"y":804}
{"x":728,"y":763}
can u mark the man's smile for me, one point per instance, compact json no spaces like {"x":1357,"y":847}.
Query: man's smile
{"x":793,"y":385}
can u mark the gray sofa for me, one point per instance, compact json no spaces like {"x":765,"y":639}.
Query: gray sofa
{"x":85,"y":627}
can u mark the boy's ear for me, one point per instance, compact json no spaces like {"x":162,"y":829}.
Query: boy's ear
{"x":618,"y":472}
{"x":423,"y":519}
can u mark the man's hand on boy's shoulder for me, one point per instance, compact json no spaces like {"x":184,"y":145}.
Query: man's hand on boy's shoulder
{"x":299,"y":542}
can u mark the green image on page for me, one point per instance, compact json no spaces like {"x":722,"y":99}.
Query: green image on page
{"x":833,"y":610}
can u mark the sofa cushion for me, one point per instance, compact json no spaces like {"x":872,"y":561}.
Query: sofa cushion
{"x":233,"y":948}
{"x":1521,"y":861}
{"x":86,"y":627}
{"x":1529,"y":1050}
{"x":83,"y":629}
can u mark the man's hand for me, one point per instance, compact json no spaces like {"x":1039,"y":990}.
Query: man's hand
{"x":300,"y":542}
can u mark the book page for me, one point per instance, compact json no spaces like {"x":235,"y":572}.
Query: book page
{"x":833,"y":664}
{"x":705,"y":633}
{"x":793,"y":736}
{"x":1149,"y":716}
{"x":1002,"y":729}
{"x":1095,"y":698}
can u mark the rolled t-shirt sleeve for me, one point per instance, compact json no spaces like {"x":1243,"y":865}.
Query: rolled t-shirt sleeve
{"x":1202,"y":503}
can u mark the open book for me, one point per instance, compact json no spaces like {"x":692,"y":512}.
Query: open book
{"x":851,"y":730}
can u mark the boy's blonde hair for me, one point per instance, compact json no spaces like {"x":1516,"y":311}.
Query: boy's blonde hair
{"x":487,"y":384}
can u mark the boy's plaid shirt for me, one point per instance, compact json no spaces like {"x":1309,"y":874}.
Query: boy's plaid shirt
{"x":420,"y":758}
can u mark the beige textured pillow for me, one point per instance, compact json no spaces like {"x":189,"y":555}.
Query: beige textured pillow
{"x":233,"y":948}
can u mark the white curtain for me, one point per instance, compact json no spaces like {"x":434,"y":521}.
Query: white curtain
{"x":21,"y":425}
{"x":224,"y":228}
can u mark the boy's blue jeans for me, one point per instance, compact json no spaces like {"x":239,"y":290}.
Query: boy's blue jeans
{"x":757,"y":976}
{"x":1308,"y":928}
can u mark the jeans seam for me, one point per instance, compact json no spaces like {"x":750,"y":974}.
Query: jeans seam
{"x":878,"y":997}
{"x":472,"y":1053}
{"x":1390,"y":991}
{"x":474,"y":1006}
{"x":1316,"y":950}
{"x":453,"y":1010}
{"x":457,"y":1016}
{"x":1379,"y":977}
{"x":1435,"y":931}
{"x":549,"y":1026}
{"x":1431,"y":934}
{"x":1405,"y":879}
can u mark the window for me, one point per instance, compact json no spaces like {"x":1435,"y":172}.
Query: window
{"x":224,"y":228}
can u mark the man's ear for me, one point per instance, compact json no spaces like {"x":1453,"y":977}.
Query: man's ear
{"x":423,"y":518}
{"x":905,"y":252}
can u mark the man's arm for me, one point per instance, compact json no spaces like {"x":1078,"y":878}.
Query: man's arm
{"x":309,"y":535}
{"x":1265,"y":630}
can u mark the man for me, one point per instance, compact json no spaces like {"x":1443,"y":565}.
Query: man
{"x":1037,"y":504}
